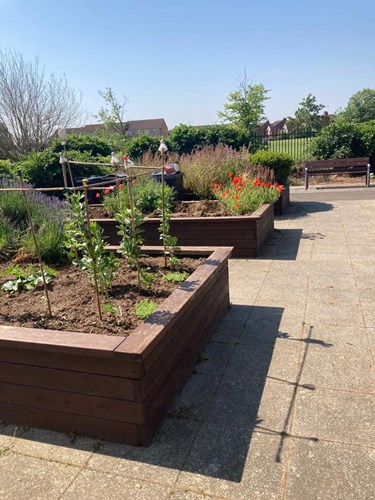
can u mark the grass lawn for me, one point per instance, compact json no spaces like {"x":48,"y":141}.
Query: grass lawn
{"x":297,"y":148}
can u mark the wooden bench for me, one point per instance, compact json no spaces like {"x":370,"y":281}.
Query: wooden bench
{"x":338,"y":166}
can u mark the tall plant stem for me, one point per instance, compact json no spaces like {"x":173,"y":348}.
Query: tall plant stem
{"x":163,"y":210}
{"x":29,"y":216}
{"x":85,"y":186}
{"x":131,"y":204}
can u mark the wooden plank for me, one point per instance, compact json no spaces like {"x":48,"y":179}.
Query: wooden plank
{"x":75,"y":424}
{"x":154,"y":329}
{"x":364,"y":161}
{"x":170,"y":386}
{"x":82,"y":364}
{"x":185,"y":340}
{"x":64,"y":380}
{"x":53,"y":340}
{"x":75,"y":404}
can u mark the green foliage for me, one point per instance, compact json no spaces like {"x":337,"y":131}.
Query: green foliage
{"x":145,"y":308}
{"x":360,"y":107}
{"x":185,"y":139}
{"x":176,"y":276}
{"x":146,"y":192}
{"x":43,"y":169}
{"x":27,"y":279}
{"x":48,"y":215}
{"x":212,"y":164}
{"x":137,"y":146}
{"x":245,"y":106}
{"x":340,"y":139}
{"x":280,"y":163}
{"x":130,"y":229}
{"x":6,"y":168}
{"x":367,"y":133}
{"x":244,"y":195}
{"x":307,"y":117}
{"x":169,"y":241}
{"x":88,"y":253}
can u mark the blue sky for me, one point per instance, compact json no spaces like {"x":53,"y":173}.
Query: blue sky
{"x":180,"y":59}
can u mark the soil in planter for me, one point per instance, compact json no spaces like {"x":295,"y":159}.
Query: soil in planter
{"x":201,"y":208}
{"x":73,"y":300}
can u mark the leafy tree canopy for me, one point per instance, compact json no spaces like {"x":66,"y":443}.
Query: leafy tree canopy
{"x":307,"y":117}
{"x":361,"y":106}
{"x":245,"y":106}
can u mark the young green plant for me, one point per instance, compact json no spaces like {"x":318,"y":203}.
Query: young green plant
{"x":86,"y":246}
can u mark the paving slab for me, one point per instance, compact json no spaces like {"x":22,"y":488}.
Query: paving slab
{"x":330,"y":471}
{"x":25,"y":478}
{"x":281,"y":403}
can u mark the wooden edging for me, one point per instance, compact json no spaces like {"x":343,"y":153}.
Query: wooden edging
{"x":246,"y":234}
{"x":107,"y":387}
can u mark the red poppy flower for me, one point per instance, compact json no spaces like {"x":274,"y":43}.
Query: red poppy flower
{"x":97,"y":195}
{"x":230,"y":174}
{"x":236,"y":205}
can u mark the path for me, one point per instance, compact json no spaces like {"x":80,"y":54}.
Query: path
{"x":282,"y":402}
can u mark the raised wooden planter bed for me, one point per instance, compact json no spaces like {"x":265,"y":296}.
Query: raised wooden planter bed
{"x":282,"y":203}
{"x":107,"y":387}
{"x":246,"y":234}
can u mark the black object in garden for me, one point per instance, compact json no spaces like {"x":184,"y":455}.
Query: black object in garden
{"x":95,"y":195}
{"x":173,"y":180}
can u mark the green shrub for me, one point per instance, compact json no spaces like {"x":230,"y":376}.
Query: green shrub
{"x":6,"y":168}
{"x":211,"y":164}
{"x":146,"y":193}
{"x":367,"y":132}
{"x":43,"y":169}
{"x":280,"y":163}
{"x":185,"y":139}
{"x":340,"y":139}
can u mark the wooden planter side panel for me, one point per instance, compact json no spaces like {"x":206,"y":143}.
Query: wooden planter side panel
{"x":265,"y":228}
{"x":282,"y":203}
{"x":246,"y":234}
{"x":46,"y":385}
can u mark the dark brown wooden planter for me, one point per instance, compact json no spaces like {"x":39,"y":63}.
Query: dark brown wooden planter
{"x":246,"y":234}
{"x":107,"y":387}
{"x":283,"y":202}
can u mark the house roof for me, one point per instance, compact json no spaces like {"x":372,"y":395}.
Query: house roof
{"x":153,"y":123}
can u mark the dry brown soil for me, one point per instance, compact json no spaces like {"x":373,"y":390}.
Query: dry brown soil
{"x":73,"y":300}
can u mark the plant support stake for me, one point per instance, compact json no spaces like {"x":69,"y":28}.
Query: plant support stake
{"x":85,"y":183}
{"x":29,"y":216}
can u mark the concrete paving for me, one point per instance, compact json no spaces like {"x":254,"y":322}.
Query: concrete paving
{"x":282,"y":402}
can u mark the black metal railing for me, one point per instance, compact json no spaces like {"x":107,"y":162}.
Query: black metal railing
{"x":296,"y":144}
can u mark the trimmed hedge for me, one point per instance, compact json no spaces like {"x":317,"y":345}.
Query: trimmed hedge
{"x":280,"y":163}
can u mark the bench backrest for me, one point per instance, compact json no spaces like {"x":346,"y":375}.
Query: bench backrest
{"x":337,"y":162}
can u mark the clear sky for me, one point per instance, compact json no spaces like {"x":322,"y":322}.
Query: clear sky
{"x":180,"y":59}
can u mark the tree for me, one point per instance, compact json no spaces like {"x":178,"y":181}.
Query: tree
{"x":307,"y":117}
{"x":245,"y":106}
{"x":32,"y":105}
{"x":113,"y":111}
{"x":361,"y":107}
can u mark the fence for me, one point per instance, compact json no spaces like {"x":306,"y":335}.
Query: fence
{"x":296,"y":144}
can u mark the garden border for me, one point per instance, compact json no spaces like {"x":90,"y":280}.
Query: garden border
{"x":247,"y":234}
{"x":107,"y":387}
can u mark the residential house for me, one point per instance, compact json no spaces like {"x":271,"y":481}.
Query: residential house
{"x":156,"y":127}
